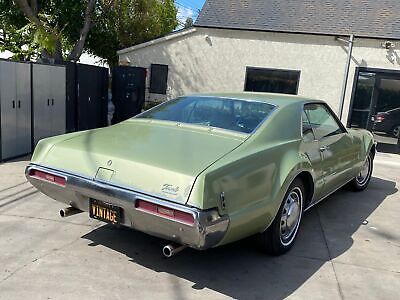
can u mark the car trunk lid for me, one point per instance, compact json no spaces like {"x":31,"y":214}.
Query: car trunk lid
{"x":153,"y":157}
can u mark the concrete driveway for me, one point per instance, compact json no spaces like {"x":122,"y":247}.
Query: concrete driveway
{"x":348,"y":248}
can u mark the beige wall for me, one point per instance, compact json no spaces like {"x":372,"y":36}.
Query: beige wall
{"x":208,"y":60}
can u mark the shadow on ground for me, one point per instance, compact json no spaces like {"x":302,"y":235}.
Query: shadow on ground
{"x":240,"y":270}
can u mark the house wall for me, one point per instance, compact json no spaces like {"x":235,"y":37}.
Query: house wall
{"x":208,"y":60}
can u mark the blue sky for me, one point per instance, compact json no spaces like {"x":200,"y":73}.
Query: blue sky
{"x":188,"y":8}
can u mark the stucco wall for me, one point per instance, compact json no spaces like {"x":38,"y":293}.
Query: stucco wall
{"x":208,"y":60}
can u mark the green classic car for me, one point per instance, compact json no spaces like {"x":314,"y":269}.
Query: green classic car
{"x":207,"y":170}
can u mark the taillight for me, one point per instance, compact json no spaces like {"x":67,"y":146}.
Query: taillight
{"x":379,"y":118}
{"x":166,"y":212}
{"x":47,"y":177}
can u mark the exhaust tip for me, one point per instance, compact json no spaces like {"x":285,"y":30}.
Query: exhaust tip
{"x":69,"y":211}
{"x":168,"y":251}
{"x":172,"y":249}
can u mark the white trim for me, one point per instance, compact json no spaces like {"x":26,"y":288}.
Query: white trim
{"x":157,"y":41}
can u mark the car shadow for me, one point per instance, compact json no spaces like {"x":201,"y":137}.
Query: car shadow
{"x":240,"y":270}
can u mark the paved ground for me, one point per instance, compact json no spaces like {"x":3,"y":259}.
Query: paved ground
{"x":348,"y":248}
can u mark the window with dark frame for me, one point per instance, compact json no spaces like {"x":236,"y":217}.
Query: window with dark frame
{"x":272,"y":81}
{"x":158,"y":79}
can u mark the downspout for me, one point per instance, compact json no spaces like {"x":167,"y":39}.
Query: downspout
{"x":346,"y":75}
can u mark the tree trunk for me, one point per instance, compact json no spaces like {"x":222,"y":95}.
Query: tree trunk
{"x":79,"y":46}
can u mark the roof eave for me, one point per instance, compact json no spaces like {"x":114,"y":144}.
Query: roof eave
{"x":168,"y":37}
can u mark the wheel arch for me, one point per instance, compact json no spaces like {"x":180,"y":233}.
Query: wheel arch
{"x":309,"y":186}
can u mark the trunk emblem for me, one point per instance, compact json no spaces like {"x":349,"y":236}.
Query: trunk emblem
{"x":170,"y":189}
{"x":109,"y":163}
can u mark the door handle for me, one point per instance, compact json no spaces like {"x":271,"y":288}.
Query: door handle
{"x":48,"y":102}
{"x":52,"y":102}
{"x":13,"y":104}
{"x":323,"y":148}
{"x":19,"y":103}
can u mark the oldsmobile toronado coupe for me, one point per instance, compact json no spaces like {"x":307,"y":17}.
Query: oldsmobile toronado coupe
{"x":207,"y":170}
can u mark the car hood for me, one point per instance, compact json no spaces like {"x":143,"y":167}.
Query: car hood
{"x":153,"y":157}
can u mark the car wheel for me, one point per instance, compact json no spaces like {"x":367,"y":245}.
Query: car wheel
{"x":281,"y":234}
{"x":396,"y":131}
{"x":362,"y":180}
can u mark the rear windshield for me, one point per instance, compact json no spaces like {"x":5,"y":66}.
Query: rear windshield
{"x":231,"y":114}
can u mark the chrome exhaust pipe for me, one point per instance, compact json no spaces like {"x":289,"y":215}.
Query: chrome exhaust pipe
{"x":172,"y":249}
{"x":69,"y":211}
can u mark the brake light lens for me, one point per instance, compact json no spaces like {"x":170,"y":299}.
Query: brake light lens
{"x":48,"y":177}
{"x":162,"y":211}
{"x":379,"y":118}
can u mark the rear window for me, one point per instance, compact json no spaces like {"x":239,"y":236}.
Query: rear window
{"x":230,"y":114}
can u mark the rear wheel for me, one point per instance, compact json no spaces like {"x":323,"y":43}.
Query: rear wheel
{"x":281,"y":234}
{"x":396,"y":131}
{"x":363,"y":178}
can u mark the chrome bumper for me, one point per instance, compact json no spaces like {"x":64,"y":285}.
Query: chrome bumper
{"x":208,"y":230}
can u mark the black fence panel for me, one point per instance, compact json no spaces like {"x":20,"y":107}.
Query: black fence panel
{"x":128,"y":92}
{"x":87,"y":94}
{"x":71,"y":108}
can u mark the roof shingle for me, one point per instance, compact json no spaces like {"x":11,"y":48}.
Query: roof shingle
{"x":364,"y":18}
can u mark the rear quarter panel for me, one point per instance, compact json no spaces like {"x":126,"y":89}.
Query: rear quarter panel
{"x":255,"y":177}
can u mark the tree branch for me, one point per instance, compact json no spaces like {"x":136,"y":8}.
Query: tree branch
{"x":79,"y":46}
{"x":29,"y":13}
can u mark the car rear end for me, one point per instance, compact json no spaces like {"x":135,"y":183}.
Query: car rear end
{"x":122,"y":206}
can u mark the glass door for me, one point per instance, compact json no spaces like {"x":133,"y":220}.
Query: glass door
{"x":376,"y":107}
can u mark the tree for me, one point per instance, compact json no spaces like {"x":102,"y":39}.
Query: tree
{"x":63,"y":29}
{"x":189,"y":22}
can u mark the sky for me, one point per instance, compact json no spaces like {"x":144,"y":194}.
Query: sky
{"x":188,"y":8}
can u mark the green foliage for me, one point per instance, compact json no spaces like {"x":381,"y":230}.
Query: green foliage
{"x":129,"y":22}
{"x":116,"y":24}
{"x":188,"y":22}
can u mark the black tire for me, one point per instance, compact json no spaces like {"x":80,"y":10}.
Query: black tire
{"x":273,"y":240}
{"x":361,"y":181}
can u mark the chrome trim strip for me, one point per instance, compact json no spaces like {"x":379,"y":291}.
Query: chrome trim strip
{"x":326,"y":196}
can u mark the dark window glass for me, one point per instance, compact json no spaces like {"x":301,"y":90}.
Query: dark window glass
{"x":322,"y":121}
{"x":272,"y":81}
{"x":231,"y":114}
{"x":158,"y":79}
{"x":362,"y":100}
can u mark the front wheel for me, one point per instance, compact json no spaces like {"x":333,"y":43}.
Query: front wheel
{"x":281,"y":234}
{"x":363,"y":178}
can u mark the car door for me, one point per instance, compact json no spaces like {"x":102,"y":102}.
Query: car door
{"x":335,"y":145}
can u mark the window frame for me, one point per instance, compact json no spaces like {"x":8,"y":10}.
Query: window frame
{"x":329,"y":109}
{"x":298,"y":72}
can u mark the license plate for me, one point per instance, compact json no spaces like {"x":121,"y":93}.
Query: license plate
{"x":105,"y":212}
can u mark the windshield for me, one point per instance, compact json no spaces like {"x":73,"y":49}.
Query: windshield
{"x":231,"y":114}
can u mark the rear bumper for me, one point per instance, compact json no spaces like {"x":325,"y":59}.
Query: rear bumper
{"x":207,"y":231}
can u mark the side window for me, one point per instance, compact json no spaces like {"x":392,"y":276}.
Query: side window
{"x":308,"y":134}
{"x":321,"y":120}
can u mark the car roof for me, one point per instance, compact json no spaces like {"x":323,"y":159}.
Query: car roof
{"x":271,"y":98}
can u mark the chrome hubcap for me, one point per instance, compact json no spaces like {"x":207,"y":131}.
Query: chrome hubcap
{"x":363,"y":176}
{"x":291,"y":215}
{"x":396,"y":131}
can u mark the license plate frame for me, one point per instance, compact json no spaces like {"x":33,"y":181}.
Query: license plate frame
{"x":105,"y":212}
